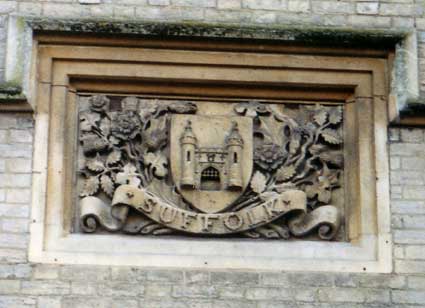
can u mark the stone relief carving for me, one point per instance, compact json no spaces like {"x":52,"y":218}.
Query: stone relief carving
{"x":251,"y":169}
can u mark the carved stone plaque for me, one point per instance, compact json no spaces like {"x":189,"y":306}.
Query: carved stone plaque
{"x":204,"y":168}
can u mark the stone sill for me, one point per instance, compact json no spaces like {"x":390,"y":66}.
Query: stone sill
{"x":12,"y":99}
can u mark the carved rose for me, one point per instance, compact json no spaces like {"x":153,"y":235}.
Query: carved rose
{"x":252,"y":109}
{"x":99,"y":103}
{"x":269,"y":156}
{"x":125,"y":126}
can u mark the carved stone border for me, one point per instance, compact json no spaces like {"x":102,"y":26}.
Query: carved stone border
{"x":359,"y":81}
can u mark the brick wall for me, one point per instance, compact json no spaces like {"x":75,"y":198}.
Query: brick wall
{"x":46,"y":286}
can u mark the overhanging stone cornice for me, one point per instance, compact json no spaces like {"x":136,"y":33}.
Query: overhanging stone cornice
{"x":21,"y":30}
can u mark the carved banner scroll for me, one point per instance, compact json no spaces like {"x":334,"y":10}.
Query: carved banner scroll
{"x":247,"y":169}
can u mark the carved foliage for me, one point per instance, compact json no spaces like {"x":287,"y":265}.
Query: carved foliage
{"x":294,"y":149}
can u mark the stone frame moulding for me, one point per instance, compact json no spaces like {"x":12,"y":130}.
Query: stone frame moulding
{"x":190,"y":68}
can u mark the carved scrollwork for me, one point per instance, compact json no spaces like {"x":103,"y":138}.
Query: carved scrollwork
{"x":146,"y":148}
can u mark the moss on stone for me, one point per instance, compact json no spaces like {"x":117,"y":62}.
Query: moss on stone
{"x":305,"y":34}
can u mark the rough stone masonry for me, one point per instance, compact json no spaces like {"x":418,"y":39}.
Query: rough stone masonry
{"x":47,"y":286}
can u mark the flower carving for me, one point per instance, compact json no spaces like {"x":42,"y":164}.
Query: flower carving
{"x":269,"y":156}
{"x":99,"y":103}
{"x":126,"y":125}
{"x":252,"y":109}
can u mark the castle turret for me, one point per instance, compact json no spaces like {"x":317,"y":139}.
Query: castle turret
{"x":234,"y":145}
{"x":188,"y":144}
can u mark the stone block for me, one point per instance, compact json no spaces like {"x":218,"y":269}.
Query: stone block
{"x":230,"y":4}
{"x":263,"y":17}
{"x":233,"y":304}
{"x":119,"y":289}
{"x":370,"y":8}
{"x":381,"y":281}
{"x":7,"y":120}
{"x":45,"y":287}
{"x":11,"y":240}
{"x":18,"y":195}
{"x":18,"y":165}
{"x":17,"y":301}
{"x":165,"y":276}
{"x":412,"y":163}
{"x":157,"y":290}
{"x":403,"y":22}
{"x":348,"y":295}
{"x":4,"y":136}
{"x":124,"y":12}
{"x":408,"y":207}
{"x":264,"y":4}
{"x":169,"y":13}
{"x":396,"y":9}
{"x":84,"y":287}
{"x":416,"y":282}
{"x":328,"y":7}
{"x":410,"y":267}
{"x":195,"y":291}
{"x":234,"y":16}
{"x":15,"y":225}
{"x":405,"y":177}
{"x":81,"y":302}
{"x":299,"y":6}
{"x":414,"y":222}
{"x":227,"y":292}
{"x":7,"y":7}
{"x":311,"y":279}
{"x":270,"y":293}
{"x":14,"y":210}
{"x":16,"y":150}
{"x":277,"y":279}
{"x":415,"y":252}
{"x":409,"y":237}
{"x":395,"y":163}
{"x":128,"y":274}
{"x":371,"y":21}
{"x":173,"y":303}
{"x":49,"y":302}
{"x":9,"y":286}
{"x":408,"y":297}
{"x":345,"y":280}
{"x":414,"y":192}
{"x":13,"y":255}
{"x":195,"y":277}
{"x":15,"y":180}
{"x":195,"y":3}
{"x":159,"y":2}
{"x":86,"y":273}
{"x":64,"y":10}
{"x":234,"y":278}
{"x":20,"y":136}
{"x":412,"y":135}
{"x":46,"y":271}
{"x":15,"y":271}
{"x":101,"y":11}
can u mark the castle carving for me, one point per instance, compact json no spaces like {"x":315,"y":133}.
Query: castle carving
{"x":211,"y":168}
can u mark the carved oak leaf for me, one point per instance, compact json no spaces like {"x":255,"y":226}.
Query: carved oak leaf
{"x":113,"y":158}
{"x":334,"y":157}
{"x":95,"y":165}
{"x":258,"y":182}
{"x":91,"y":186}
{"x":88,"y":120}
{"x":107,"y":185}
{"x":320,"y":116}
{"x":183,"y":107}
{"x":285,"y":173}
{"x":331,"y":136}
{"x":128,"y":175}
{"x":335,"y":115}
{"x":157,"y":162}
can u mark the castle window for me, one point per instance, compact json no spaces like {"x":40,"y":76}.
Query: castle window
{"x":210,"y":179}
{"x":235,"y":157}
{"x":188,"y":156}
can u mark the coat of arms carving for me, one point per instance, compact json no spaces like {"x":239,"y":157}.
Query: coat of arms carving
{"x":203,"y":168}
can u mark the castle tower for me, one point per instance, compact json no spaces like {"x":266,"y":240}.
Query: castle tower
{"x":234,"y":146}
{"x":188,"y":144}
